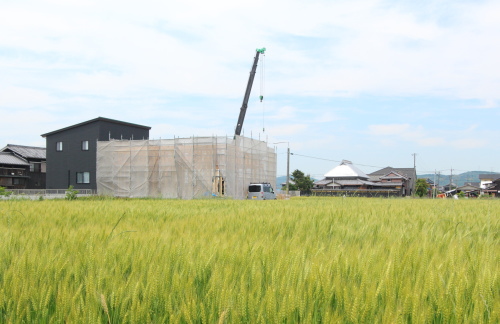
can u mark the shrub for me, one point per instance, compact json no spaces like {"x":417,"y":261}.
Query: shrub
{"x":71,"y":193}
{"x":4,"y":192}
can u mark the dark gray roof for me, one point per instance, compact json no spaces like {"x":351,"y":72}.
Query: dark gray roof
{"x":489,"y":176}
{"x":389,"y":184}
{"x":93,"y":121}
{"x":397,"y":175}
{"x":11,"y":159}
{"x":354,"y":182}
{"x":386,"y":170}
{"x":27,"y":152}
{"x":469,"y":186}
{"x":322,"y":182}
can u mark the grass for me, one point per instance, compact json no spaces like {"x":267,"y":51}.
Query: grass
{"x":223,"y":261}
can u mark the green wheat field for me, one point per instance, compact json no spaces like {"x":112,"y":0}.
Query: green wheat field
{"x":306,"y":260}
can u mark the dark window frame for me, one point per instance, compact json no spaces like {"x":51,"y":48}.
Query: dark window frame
{"x":17,"y":181}
{"x":85,"y":145}
{"x":80,"y":177}
{"x":59,"y":146}
{"x":35,"y":167}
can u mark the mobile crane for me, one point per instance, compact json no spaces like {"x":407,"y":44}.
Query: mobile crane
{"x":244,"y":106}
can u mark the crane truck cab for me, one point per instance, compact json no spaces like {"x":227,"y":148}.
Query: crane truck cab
{"x":261,"y":191}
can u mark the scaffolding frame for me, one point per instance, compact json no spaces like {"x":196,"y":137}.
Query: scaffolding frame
{"x":185,"y":168}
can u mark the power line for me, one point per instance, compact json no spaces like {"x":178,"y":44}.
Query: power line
{"x":376,"y":166}
{"x":317,"y":158}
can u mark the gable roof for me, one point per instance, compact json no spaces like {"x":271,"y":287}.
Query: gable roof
{"x":12,"y":159}
{"x":346,"y":170}
{"x":93,"y":121}
{"x":27,"y":152}
{"x":395,"y":175}
{"x":408,"y":172}
{"x":468,"y":186}
{"x":489,"y":176}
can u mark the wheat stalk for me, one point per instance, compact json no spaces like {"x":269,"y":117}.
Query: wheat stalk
{"x":105,"y":307}
{"x":222,"y":317}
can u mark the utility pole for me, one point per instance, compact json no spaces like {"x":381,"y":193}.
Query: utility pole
{"x":434,"y":187}
{"x":451,"y":179}
{"x":287,"y":166}
{"x":415,"y":170}
{"x":287,"y":169}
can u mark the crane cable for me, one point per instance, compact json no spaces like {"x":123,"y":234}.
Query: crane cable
{"x":262,"y":88}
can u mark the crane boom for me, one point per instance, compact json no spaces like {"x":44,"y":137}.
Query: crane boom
{"x":244,"y":105}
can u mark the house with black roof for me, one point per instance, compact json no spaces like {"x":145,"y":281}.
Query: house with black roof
{"x":347,"y":179}
{"x":22,"y":167}
{"x":493,"y":188}
{"x":405,"y":177}
{"x":72,"y":151}
{"x":487,"y":179}
{"x":470,"y":190}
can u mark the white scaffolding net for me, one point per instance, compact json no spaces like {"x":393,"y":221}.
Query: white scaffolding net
{"x":183,"y":168}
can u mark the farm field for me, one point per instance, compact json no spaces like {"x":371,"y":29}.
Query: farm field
{"x":326,"y":260}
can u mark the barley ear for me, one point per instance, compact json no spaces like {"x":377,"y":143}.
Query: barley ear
{"x":222,"y":317}
{"x":105,"y":307}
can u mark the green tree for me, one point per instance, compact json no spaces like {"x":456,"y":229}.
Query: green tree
{"x":303,"y":182}
{"x":421,"y":187}
{"x":4,"y":192}
{"x":291,"y":187}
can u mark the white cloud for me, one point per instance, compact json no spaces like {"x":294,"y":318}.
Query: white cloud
{"x":431,"y":141}
{"x":468,"y":143}
{"x":17,"y":97}
{"x":389,"y":129}
{"x":281,"y":131}
{"x":284,"y":113}
{"x":189,"y":47}
{"x":392,"y":134}
{"x":182,"y":67}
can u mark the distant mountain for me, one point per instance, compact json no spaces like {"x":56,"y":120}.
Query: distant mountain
{"x":458,"y":179}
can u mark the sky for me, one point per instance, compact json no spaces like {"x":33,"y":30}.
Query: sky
{"x":379,"y":83}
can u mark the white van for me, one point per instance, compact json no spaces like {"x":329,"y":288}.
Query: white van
{"x":261,"y":191}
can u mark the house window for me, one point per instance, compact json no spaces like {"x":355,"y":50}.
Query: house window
{"x":85,"y":145}
{"x":35,"y":167}
{"x":59,"y":146}
{"x":17,"y":181}
{"x":83,"y":177}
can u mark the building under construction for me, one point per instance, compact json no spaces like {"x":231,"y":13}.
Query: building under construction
{"x":185,"y":168}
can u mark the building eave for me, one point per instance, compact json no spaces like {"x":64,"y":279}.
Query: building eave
{"x":93,"y":121}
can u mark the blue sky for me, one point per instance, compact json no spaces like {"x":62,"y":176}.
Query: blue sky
{"x":369,"y":81}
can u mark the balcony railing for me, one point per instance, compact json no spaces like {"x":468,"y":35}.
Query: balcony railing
{"x":13,"y":172}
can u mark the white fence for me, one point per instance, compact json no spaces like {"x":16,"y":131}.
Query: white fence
{"x":34,"y":194}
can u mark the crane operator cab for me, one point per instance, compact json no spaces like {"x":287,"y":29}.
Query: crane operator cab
{"x":261,"y":191}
